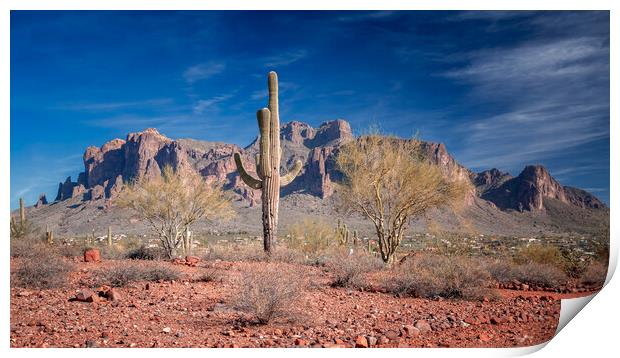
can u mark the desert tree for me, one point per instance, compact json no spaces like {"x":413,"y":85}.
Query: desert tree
{"x":172,"y":202}
{"x":389,"y":181}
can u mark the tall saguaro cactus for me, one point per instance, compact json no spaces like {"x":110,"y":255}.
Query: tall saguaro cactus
{"x":268,"y":164}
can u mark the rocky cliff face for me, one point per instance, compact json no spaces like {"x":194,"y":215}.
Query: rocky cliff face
{"x":530,"y":189}
{"x":145,"y":153}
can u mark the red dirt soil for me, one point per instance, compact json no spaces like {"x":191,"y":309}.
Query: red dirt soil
{"x":186,"y":313}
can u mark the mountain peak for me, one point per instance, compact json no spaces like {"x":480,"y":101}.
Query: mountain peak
{"x":530,"y":189}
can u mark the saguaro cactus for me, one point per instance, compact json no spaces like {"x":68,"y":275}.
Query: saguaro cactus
{"x":268,"y":164}
{"x":22,"y":212}
{"x":109,"y":235}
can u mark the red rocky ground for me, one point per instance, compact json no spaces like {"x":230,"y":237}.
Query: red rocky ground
{"x":198,"y":314}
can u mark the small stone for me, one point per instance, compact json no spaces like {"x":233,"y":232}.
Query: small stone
{"x":372,"y":341}
{"x":86,"y":295}
{"x":91,"y":344}
{"x":112,"y":295}
{"x":166,"y":330}
{"x":392,"y":335}
{"x":423,"y":326}
{"x":300,"y":342}
{"x":180,"y":334}
{"x":411,"y":331}
{"x":361,"y":342}
{"x":383,"y":340}
{"x":483,"y":337}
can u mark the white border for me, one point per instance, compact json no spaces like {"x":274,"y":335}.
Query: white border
{"x":594,"y":331}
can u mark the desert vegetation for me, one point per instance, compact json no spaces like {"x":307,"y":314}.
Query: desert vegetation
{"x":323,"y":282}
{"x":268,"y":164}
{"x":172,"y":202}
{"x":387,"y":180}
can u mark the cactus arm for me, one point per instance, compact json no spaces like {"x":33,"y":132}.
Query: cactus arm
{"x":247,"y":178}
{"x":292,"y":174}
{"x":257,"y":161}
{"x":264,"y":117}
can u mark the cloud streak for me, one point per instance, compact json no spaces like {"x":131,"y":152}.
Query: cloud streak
{"x":285,"y":59}
{"x":552,"y":96}
{"x":113,"y":106}
{"x":211,"y":103}
{"x":203,"y":71}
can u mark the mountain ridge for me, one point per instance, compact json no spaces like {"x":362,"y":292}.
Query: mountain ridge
{"x":144,"y":153}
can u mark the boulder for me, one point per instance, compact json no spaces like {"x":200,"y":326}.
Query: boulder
{"x":92,"y":255}
{"x":86,"y":295}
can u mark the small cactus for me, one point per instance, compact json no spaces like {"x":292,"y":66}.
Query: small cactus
{"x":343,"y":234}
{"x":49,"y":235}
{"x":19,"y":229}
{"x":268,"y":164}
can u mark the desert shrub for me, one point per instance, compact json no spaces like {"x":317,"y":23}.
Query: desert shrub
{"x":349,"y":266}
{"x":24,"y":230}
{"x":541,"y":275}
{"x":310,"y":236}
{"x":270,"y":291}
{"x":502,"y":270}
{"x":542,"y":254}
{"x":123,"y":274}
{"x":573,"y":264}
{"x":21,"y":247}
{"x":594,"y":275}
{"x":434,"y":275}
{"x":211,"y":274}
{"x":41,"y":267}
{"x":235,"y":252}
{"x":532,"y":273}
{"x":282,"y":253}
{"x":144,"y":253}
{"x":73,"y":250}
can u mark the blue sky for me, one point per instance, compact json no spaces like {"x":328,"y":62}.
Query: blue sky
{"x":500,"y":89}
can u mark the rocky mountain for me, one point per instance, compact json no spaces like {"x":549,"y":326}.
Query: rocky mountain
{"x":529,"y":190}
{"x":145,"y":153}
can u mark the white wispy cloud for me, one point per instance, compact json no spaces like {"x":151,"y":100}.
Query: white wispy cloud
{"x":555,"y":95}
{"x":286,"y":58}
{"x":355,"y":16}
{"x":203,"y":71}
{"x":111,"y":106}
{"x":210,"y":103}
